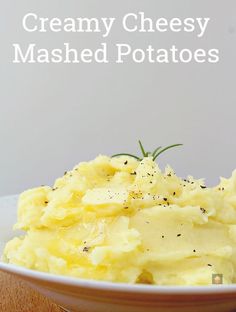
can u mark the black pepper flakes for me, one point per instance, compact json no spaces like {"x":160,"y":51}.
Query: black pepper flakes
{"x":164,"y":198}
{"x":203,"y":186}
{"x":209,"y":264}
{"x":194,"y":250}
{"x":178,"y":235}
{"x":162,"y":236}
{"x":174,"y":193}
{"x":86,"y":249}
{"x":126,"y":162}
{"x":203,"y":210}
{"x":46,"y":202}
{"x":133,"y":173}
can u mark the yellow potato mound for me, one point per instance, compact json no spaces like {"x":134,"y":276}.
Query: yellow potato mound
{"x":121,"y":220}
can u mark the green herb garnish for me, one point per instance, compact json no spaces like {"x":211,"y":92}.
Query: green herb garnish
{"x":157,"y":152}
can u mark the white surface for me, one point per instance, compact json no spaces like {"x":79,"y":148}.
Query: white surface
{"x":87,"y":300}
{"x":54,"y":116}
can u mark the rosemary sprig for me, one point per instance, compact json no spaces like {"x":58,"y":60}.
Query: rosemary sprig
{"x":164,"y":149}
{"x":142,"y":149}
{"x":156,"y":153}
{"x":156,"y":150}
{"x":126,"y":154}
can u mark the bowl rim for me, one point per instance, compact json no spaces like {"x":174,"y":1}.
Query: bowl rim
{"x":116,"y":287}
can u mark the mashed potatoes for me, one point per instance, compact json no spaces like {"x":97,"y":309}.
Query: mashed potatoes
{"x":118,"y":219}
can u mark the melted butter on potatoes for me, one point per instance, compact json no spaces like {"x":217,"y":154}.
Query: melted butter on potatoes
{"x":121,"y":220}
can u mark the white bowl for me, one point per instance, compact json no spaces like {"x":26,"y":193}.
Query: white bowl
{"x":93,"y":296}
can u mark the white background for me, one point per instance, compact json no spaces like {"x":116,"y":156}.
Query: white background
{"x":54,"y":116}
